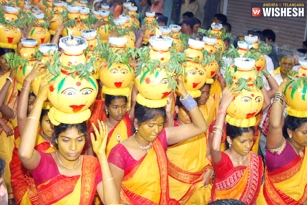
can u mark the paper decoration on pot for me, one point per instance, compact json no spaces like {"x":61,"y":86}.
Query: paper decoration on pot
{"x":296,"y":92}
{"x":195,"y":73}
{"x":74,"y":89}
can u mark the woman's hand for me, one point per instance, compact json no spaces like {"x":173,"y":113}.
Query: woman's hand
{"x":99,"y":144}
{"x":43,"y":88}
{"x":226,"y":99}
{"x":36,"y":71}
{"x":9,"y":131}
{"x":207,"y":178}
{"x":222,"y":80}
{"x":180,"y":86}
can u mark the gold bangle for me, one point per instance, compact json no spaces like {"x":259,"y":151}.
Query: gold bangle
{"x":215,"y":132}
{"x":218,"y":128}
{"x":32,"y":118}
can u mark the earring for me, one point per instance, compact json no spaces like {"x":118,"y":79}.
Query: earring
{"x":107,"y":112}
{"x":56,"y":141}
{"x":290,"y":136}
{"x":136,"y":130}
{"x":229,"y":145}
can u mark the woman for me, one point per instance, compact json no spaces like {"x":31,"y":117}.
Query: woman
{"x":139,"y":163}
{"x":22,"y":181}
{"x":189,"y":177}
{"x":285,"y":180}
{"x":238,"y":170}
{"x":7,"y":122}
{"x":60,"y":176}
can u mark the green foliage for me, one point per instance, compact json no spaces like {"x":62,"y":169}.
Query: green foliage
{"x":264,"y":49}
{"x":242,"y":85}
{"x":90,"y":21}
{"x":232,"y":52}
{"x":184,"y":38}
{"x":15,"y":61}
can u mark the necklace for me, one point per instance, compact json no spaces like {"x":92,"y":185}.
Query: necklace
{"x":143,"y":148}
{"x":57,"y":156}
{"x":46,"y":138}
{"x":300,"y":152}
{"x":118,"y":137}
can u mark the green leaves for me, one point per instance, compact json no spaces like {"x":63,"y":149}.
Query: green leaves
{"x":15,"y":61}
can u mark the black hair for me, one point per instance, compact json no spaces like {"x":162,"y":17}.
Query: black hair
{"x":2,"y":165}
{"x":269,"y":34}
{"x":44,"y":112}
{"x":227,"y":202}
{"x":108,"y":99}
{"x":229,"y":26}
{"x":221,"y":17}
{"x":234,"y":131}
{"x":301,"y":50}
{"x":196,"y":21}
{"x":6,"y":50}
{"x":143,"y":113}
{"x":292,"y":123}
{"x":188,"y":14}
{"x":305,"y":43}
{"x":158,"y":14}
{"x":62,"y":127}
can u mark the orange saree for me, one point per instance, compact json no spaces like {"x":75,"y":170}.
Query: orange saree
{"x":68,"y":190}
{"x":241,"y":182}
{"x":146,"y":183}
{"x":187,"y":164}
{"x":286,"y":185}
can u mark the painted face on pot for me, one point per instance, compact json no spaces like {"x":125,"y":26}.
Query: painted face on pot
{"x":154,"y":86}
{"x":116,"y":75}
{"x":195,"y":76}
{"x":40,"y":34}
{"x":246,"y":104}
{"x":72,"y":95}
{"x":260,"y":63}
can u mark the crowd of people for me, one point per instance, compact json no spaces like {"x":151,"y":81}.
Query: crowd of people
{"x":184,"y":152}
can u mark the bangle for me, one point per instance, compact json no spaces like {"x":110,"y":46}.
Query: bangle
{"x":109,"y":179}
{"x":188,"y":102}
{"x":23,"y":88}
{"x":32,"y":118}
{"x":267,"y":76}
{"x":221,"y":112}
{"x":218,"y":128}
{"x":10,"y":79}
{"x":216,"y":132}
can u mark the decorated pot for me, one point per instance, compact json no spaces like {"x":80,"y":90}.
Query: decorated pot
{"x":243,"y":46}
{"x":245,"y":106}
{"x":165,"y":31}
{"x":90,"y":37}
{"x":175,"y":34}
{"x":9,"y":36}
{"x":73,"y":48}
{"x":41,"y":34}
{"x":73,"y":12}
{"x":84,"y":12}
{"x":105,"y":7}
{"x":209,"y":44}
{"x":130,"y":36}
{"x":253,"y":40}
{"x":28,"y":48}
{"x":133,"y":14}
{"x":23,"y":71}
{"x":151,"y":24}
{"x":11,"y":13}
{"x":117,"y":43}
{"x":216,"y":30}
{"x":260,"y":63}
{"x":295,"y":92}
{"x":71,"y":97}
{"x":57,"y":19}
{"x":194,"y":78}
{"x":211,"y":69}
{"x":160,"y":48}
{"x":153,"y":88}
{"x":47,"y":50}
{"x":194,"y":52}
{"x":244,"y":68}
{"x":104,"y":30}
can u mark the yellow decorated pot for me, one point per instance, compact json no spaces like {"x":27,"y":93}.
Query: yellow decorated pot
{"x":23,"y":71}
{"x":209,"y":44}
{"x":175,"y":35}
{"x":260,"y":63}
{"x":244,"y":68}
{"x":216,"y":30}
{"x":47,"y":50}
{"x":194,"y":78}
{"x":57,"y":19}
{"x":73,"y":51}
{"x":160,"y":48}
{"x":243,"y":46}
{"x":296,"y":92}
{"x":104,"y":30}
{"x":90,"y":37}
{"x":41,"y":34}
{"x":211,"y":69}
{"x":245,"y":106}
{"x":151,"y":30}
{"x":11,"y":13}
{"x":132,"y":13}
{"x":194,"y":52}
{"x":153,"y":88}
{"x":71,"y":98}
{"x":9,"y":36}
{"x":28,"y":48}
{"x":73,"y":12}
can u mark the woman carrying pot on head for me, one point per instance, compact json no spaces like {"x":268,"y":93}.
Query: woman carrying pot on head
{"x":66,"y":176}
{"x":139,"y":164}
{"x":238,"y":170}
